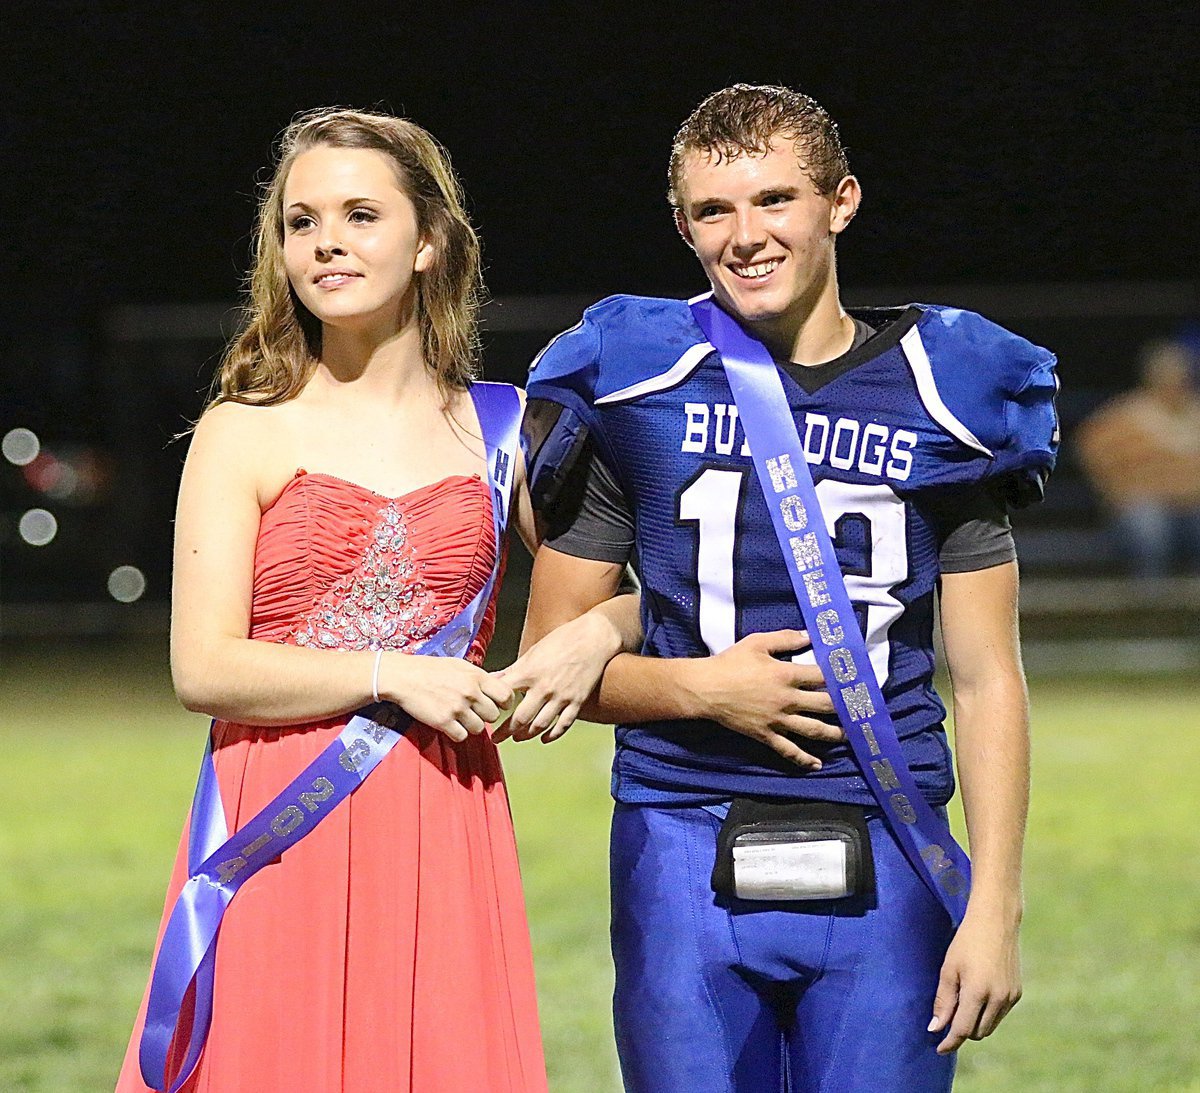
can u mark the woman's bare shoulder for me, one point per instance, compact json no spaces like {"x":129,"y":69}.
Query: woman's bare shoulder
{"x":256,"y":443}
{"x":246,"y":422}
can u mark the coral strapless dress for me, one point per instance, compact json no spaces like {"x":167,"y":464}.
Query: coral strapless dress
{"x":388,"y":950}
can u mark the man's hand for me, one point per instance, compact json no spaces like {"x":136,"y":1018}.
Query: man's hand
{"x":557,"y":674}
{"x":747,"y":689}
{"x":979,"y":984}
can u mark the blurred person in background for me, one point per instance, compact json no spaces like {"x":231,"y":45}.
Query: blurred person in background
{"x":338,"y":511}
{"x":1141,"y":452}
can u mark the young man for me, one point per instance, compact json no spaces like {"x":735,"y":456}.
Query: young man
{"x":743,"y":962}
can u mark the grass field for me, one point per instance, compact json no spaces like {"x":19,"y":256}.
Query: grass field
{"x":98,"y":765}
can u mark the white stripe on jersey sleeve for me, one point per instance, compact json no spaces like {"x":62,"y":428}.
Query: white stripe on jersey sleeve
{"x":677,"y":373}
{"x":922,"y":370}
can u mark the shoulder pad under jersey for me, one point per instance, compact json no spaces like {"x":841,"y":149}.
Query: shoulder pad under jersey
{"x":619,"y":343}
{"x":999,"y":389}
{"x":622,"y":346}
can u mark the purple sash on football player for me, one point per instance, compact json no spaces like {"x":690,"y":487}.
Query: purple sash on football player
{"x":219,"y":865}
{"x":837,"y":641}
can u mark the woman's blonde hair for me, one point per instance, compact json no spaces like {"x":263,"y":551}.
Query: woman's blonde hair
{"x":276,"y":352}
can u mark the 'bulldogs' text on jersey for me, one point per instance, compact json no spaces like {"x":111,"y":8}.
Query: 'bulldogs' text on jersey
{"x":843,"y":443}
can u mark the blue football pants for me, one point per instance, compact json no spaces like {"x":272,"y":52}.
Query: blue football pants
{"x":714,"y":995}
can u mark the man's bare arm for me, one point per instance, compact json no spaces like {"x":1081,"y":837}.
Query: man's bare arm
{"x":745,"y":688}
{"x":981,"y":976}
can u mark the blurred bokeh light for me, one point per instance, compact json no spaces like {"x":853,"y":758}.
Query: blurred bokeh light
{"x":126,"y":583}
{"x":20,"y":446}
{"x":38,"y":527}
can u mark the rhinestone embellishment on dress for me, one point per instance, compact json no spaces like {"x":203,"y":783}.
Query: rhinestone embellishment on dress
{"x":383,"y":604}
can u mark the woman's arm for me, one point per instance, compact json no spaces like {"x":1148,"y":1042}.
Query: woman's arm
{"x":218,"y":669}
{"x":981,"y":976}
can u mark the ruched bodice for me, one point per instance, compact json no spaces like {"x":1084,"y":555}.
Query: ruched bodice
{"x":338,"y":566}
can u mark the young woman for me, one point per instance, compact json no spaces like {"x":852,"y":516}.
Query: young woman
{"x":335,"y":514}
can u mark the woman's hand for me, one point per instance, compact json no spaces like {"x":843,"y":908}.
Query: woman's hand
{"x":558,"y":674}
{"x":445,"y":693}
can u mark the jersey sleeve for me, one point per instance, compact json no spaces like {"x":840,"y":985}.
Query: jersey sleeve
{"x":1030,"y":444}
{"x":974,"y":532}
{"x":591,"y":517}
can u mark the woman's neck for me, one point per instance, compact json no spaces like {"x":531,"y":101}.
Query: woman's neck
{"x":385,"y":367}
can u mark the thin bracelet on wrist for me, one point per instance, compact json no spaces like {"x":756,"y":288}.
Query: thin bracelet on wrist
{"x":375,"y":675}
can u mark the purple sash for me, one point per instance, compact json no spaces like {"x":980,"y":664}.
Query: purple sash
{"x":820,"y":589}
{"x":218,"y":865}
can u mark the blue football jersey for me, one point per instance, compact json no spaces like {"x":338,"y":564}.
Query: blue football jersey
{"x":938,"y":403}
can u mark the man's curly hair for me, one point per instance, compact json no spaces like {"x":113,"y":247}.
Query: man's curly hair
{"x":744,"y":118}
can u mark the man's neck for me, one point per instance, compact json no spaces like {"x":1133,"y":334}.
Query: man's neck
{"x":820,"y":334}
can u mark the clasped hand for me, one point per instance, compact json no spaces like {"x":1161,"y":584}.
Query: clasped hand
{"x":448,"y":694}
{"x":557,"y":675}
{"x":459,"y":699}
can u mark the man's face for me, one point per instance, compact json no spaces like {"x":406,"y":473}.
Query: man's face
{"x":763,"y":234}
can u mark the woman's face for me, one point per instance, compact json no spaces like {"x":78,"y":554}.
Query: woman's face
{"x":350,"y":239}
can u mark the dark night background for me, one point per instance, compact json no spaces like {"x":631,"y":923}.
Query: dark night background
{"x":997,"y":146}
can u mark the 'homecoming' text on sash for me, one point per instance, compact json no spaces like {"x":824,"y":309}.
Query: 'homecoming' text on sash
{"x":820,"y":589}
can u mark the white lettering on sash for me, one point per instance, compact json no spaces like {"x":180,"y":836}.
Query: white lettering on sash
{"x":287,"y":821}
{"x":943,"y":869}
{"x":844,"y":668}
{"x":254,"y":847}
{"x":858,"y":702}
{"x":227,"y":870}
{"x":354,"y":756}
{"x":322,"y":790}
{"x":815,"y":586}
{"x":885,"y":773}
{"x":795,"y":516}
{"x":806,"y":552}
{"x":830,"y":628}
{"x":500,"y":471}
{"x":783,"y":475}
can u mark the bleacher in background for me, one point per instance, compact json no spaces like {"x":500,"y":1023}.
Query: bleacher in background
{"x":147,"y":374}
